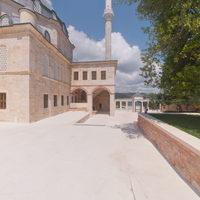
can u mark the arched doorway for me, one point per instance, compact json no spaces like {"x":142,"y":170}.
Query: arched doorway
{"x":138,"y":106}
{"x":79,"y":96}
{"x":101,"y":101}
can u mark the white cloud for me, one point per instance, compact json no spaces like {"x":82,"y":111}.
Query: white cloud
{"x":86,"y":48}
{"x":129,"y":57}
{"x":132,"y":82}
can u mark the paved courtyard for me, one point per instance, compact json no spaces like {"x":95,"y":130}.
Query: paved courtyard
{"x":106,"y":158}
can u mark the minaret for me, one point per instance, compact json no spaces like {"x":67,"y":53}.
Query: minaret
{"x":108,"y":15}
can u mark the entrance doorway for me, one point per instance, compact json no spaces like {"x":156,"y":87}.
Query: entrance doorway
{"x":101,"y":101}
{"x":138,"y":106}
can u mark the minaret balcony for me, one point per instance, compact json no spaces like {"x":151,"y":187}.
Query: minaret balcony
{"x":108,"y":15}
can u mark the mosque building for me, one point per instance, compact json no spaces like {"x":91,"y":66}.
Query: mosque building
{"x":38,"y":77}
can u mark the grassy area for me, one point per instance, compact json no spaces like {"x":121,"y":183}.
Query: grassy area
{"x":187,"y":123}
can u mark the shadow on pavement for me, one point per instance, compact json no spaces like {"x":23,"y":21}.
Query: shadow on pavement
{"x":131,"y":130}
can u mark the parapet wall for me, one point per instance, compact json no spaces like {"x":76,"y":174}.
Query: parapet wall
{"x":184,"y":158}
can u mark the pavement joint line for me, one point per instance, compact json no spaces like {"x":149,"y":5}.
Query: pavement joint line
{"x":132,"y":188}
{"x":95,"y":125}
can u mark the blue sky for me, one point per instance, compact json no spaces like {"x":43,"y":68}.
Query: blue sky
{"x":86,"y":15}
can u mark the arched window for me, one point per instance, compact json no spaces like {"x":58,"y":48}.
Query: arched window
{"x":5,"y":20}
{"x":79,"y":96}
{"x":37,"y":6}
{"x":47,"y":36}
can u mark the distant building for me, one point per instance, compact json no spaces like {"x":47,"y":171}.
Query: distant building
{"x":136,"y":103}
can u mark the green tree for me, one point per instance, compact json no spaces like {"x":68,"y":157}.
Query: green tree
{"x":154,"y":101}
{"x":172,"y":60}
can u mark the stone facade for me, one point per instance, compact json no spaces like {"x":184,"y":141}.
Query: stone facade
{"x":97,"y":87}
{"x":184,"y":158}
{"x":37,"y":68}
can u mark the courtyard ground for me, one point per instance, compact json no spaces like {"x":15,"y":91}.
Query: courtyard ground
{"x":106,"y":158}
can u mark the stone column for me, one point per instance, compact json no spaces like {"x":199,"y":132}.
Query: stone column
{"x":133,"y":106}
{"x":90,"y":103}
{"x":142,"y":106}
{"x":112,"y":105}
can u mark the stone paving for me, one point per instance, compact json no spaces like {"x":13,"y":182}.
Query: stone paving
{"x":105,"y":158}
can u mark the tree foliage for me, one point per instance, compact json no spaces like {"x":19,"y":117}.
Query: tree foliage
{"x":172,"y":60}
{"x":155,"y":101}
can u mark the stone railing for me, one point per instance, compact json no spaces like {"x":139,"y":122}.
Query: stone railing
{"x":183,"y":157}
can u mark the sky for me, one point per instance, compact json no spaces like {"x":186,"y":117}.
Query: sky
{"x":85,"y":23}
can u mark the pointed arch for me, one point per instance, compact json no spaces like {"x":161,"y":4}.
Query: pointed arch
{"x":79,"y":96}
{"x":101,"y":100}
{"x":47,"y":36}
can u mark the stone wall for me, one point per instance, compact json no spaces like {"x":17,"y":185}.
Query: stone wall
{"x":174,"y":108}
{"x":16,"y":87}
{"x":31,"y":68}
{"x":81,"y":106}
{"x":14,"y":76}
{"x":51,"y":75}
{"x":98,"y":66}
{"x":183,"y":158}
{"x":91,"y":86}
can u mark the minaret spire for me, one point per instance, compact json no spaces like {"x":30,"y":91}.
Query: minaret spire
{"x":108,"y":15}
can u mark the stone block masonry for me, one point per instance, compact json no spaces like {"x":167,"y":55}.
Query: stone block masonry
{"x":184,"y":158}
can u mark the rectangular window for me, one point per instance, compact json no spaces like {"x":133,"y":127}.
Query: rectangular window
{"x":55,"y":100}
{"x":123,"y":104}
{"x":62,"y":100}
{"x":118,"y":104}
{"x":94,"y":75}
{"x":46,"y":100}
{"x":67,"y":100}
{"x":2,"y":100}
{"x":76,"y":76}
{"x":103,"y":75}
{"x":85,"y":74}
